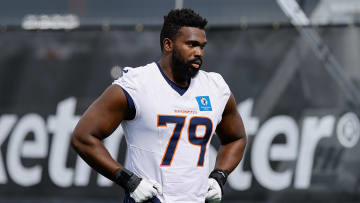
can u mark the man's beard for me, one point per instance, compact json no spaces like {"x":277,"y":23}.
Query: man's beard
{"x":183,"y":70}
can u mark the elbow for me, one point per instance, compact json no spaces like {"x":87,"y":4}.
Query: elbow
{"x":76,"y":141}
{"x":243,"y":141}
{"x":80,"y":140}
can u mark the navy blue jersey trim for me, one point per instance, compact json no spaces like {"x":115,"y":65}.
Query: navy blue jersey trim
{"x":177,"y":88}
{"x":131,"y":106}
{"x":128,"y":199}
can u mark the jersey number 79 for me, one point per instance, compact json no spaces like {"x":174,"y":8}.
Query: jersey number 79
{"x":179,"y":122}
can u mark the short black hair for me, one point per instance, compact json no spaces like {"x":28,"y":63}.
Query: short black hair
{"x":178,"y":18}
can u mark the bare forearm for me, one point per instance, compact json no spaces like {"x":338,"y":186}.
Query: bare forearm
{"x":230,"y":155}
{"x":93,"y":151}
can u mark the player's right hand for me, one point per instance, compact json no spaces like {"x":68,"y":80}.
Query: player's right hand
{"x":146,"y":190}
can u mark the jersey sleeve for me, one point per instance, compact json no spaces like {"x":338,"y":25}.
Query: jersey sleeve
{"x":222,"y":89}
{"x":129,"y":83}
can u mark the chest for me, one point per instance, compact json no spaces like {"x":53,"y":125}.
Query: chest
{"x":164,"y":102}
{"x":184,"y":122}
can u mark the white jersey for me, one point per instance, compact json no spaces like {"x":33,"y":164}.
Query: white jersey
{"x":168,"y":138}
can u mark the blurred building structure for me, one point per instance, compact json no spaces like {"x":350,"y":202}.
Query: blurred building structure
{"x":219,"y":13}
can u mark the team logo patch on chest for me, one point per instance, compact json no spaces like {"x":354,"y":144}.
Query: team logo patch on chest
{"x":204,"y":103}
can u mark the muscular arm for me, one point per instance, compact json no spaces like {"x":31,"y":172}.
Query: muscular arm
{"x":232,"y":136}
{"x":97,"y":123}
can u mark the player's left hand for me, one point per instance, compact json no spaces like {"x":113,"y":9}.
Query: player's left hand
{"x":213,"y":194}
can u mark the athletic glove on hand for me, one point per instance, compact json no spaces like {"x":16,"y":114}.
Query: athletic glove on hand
{"x":146,"y":190}
{"x":213,"y":194}
{"x":217,"y":180}
{"x":139,"y":189}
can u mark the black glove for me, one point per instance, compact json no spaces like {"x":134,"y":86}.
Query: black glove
{"x":139,"y":189}
{"x":127,"y":179}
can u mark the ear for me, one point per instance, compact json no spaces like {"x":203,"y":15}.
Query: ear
{"x":168,"y":45}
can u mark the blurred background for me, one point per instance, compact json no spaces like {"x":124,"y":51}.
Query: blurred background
{"x":293,"y":67}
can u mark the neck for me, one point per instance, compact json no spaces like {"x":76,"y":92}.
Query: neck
{"x":167,"y":68}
